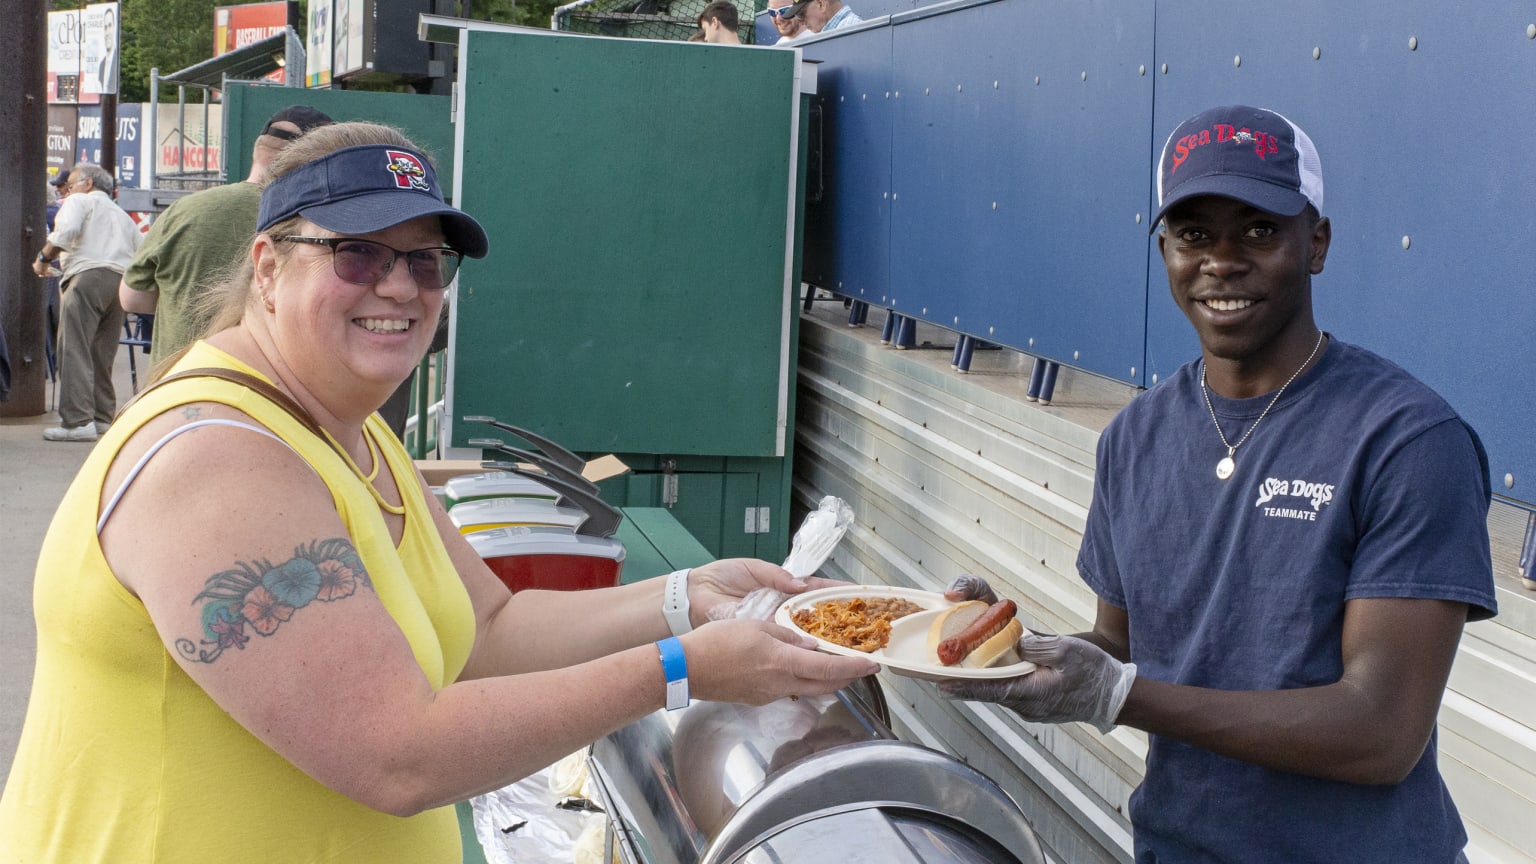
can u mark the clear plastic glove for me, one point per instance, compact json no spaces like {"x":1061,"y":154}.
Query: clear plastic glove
{"x":968,"y":587}
{"x":1074,"y":680}
{"x":813,"y":544}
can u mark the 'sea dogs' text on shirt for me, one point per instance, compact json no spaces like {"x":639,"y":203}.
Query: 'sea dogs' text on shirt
{"x":1316,"y":494}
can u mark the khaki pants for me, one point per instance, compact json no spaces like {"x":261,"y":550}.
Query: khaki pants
{"x":90,"y":325}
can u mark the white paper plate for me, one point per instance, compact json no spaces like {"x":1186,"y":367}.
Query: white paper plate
{"x":907,"y":652}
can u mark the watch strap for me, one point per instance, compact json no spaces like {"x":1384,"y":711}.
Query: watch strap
{"x":674,"y":603}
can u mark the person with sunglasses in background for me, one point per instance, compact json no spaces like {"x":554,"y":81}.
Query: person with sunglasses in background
{"x":259,"y":634}
{"x":785,"y":15}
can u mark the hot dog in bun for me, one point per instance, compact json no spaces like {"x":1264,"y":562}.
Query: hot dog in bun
{"x":973,"y":634}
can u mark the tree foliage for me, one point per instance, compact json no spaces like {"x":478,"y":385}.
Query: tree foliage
{"x":171,"y":35}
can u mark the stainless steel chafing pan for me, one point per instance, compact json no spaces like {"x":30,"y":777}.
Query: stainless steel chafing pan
{"x":808,"y":781}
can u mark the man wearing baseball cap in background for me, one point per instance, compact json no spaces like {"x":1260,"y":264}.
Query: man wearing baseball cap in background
{"x":1286,"y":538}
{"x":200,"y":236}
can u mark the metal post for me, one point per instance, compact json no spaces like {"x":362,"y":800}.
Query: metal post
{"x":151,"y":129}
{"x":181,"y":131}
{"x":208,"y":133}
{"x":1036,"y":378}
{"x":24,"y":117}
{"x":109,"y":137}
{"x":967,"y":347}
{"x":856,"y":312}
{"x":1527,"y":577}
{"x":294,"y":59}
{"x":1048,"y":382}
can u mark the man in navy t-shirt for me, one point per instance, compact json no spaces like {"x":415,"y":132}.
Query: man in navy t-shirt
{"x":1286,"y":539}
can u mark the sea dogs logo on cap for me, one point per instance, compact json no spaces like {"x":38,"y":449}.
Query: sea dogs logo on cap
{"x":408,"y":170}
{"x":1263,"y":143}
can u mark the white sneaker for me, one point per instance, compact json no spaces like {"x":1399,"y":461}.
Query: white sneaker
{"x":101,"y":428}
{"x":83,"y":432}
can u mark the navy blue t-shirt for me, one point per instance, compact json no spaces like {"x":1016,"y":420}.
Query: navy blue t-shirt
{"x":1361,"y":482}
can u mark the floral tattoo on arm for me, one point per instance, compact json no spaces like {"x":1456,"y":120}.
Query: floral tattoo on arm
{"x":259,"y":595}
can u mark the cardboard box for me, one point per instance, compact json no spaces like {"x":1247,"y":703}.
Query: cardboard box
{"x":440,"y":471}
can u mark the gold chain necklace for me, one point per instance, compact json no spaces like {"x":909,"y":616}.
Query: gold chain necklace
{"x":1227,"y":465}
{"x":378,"y":460}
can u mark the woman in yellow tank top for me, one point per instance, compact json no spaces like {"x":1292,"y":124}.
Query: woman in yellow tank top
{"x":261,"y":638}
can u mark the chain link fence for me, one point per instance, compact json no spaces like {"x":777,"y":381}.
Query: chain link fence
{"x":674,"y":20}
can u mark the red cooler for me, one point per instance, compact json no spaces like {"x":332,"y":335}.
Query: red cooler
{"x":550,"y":558}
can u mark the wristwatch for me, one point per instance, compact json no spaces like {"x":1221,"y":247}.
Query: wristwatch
{"x":42,"y":257}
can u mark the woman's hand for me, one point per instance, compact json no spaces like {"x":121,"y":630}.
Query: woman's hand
{"x":755,"y":662}
{"x":721,"y":585}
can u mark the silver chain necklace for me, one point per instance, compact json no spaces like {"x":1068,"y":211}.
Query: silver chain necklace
{"x":1227,"y":465}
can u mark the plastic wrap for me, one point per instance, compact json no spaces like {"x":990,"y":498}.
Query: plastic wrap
{"x":813,"y":543}
{"x":545,"y":818}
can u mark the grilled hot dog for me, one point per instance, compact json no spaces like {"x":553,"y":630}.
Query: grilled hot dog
{"x":988,"y":624}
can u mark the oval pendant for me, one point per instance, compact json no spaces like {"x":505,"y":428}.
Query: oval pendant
{"x":1225,"y":467}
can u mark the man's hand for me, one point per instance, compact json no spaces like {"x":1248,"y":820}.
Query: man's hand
{"x":968,"y":587}
{"x":1073,"y":680}
{"x":41,"y":268}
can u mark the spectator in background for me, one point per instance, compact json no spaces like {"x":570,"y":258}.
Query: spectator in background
{"x":59,"y":183}
{"x":785,"y":15}
{"x":718,"y":23}
{"x":199,"y":237}
{"x":824,"y":15}
{"x":94,"y":240}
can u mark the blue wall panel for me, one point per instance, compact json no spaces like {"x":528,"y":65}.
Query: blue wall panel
{"x":851,"y":225}
{"x":1428,"y":143}
{"x":871,"y":9}
{"x":1423,"y":112}
{"x":1020,"y":167}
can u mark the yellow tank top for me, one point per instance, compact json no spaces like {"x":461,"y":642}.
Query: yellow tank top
{"x":123,"y":758}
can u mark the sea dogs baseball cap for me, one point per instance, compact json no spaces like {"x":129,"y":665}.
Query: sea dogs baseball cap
{"x":1254,"y":155}
{"x":368,"y":188}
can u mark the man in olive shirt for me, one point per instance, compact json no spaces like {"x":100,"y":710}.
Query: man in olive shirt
{"x":201,"y":237}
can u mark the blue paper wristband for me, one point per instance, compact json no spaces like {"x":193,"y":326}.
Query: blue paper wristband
{"x":674,"y":665}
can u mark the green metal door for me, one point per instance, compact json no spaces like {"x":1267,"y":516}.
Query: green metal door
{"x":641,"y":199}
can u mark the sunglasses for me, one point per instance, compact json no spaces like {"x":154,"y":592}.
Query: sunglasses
{"x":785,"y":12}
{"x":364,"y":262}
